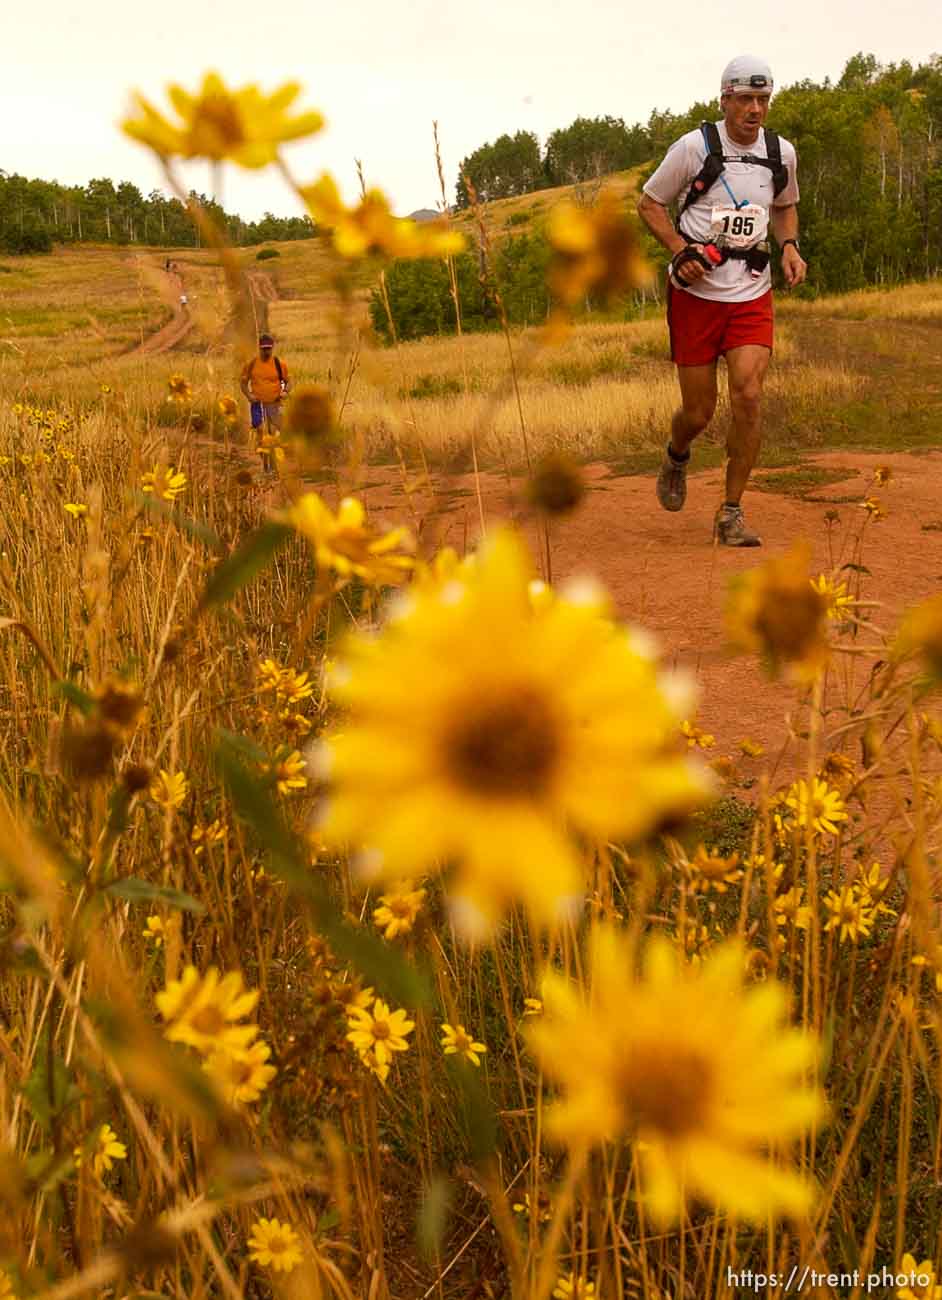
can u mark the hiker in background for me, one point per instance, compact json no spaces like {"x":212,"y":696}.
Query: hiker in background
{"x":265,"y":384}
{"x":733,"y":179}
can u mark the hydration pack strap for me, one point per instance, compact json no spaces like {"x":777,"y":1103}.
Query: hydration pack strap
{"x":715,"y":162}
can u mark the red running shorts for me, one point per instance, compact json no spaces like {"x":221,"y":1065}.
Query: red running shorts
{"x":702,"y":330}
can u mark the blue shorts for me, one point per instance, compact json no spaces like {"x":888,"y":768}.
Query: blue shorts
{"x":262,"y":411}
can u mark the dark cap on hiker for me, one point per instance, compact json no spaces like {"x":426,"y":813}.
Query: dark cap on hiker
{"x":265,"y":340}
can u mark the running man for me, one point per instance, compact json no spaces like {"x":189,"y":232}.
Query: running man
{"x":732,"y":179}
{"x":265,"y":384}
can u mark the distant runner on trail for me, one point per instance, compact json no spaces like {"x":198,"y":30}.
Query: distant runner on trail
{"x":265,"y":384}
{"x":732,"y":179}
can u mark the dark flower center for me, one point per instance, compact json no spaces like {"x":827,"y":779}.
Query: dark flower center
{"x":218,"y":115}
{"x":666,"y":1089}
{"x":790,"y":620}
{"x":505,"y":746}
{"x":209,"y":1021}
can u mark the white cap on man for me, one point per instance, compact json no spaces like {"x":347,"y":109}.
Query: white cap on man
{"x":744,"y":73}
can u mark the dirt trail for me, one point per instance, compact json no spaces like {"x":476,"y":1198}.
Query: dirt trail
{"x":264,"y":291}
{"x":170,"y":285}
{"x":664,"y":574}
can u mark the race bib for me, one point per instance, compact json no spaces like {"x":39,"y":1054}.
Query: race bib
{"x":739,"y":227}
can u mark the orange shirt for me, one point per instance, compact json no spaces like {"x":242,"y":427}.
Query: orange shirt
{"x":263,"y":377}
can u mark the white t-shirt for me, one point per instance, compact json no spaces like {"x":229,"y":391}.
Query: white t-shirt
{"x":733,"y":281}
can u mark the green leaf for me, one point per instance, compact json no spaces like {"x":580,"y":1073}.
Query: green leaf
{"x":134,"y":890}
{"x":45,"y":1170}
{"x":199,"y":532}
{"x":476,"y":1109}
{"x":329,"y":1219}
{"x":78,"y":698}
{"x":119,"y":803}
{"x":49,"y":1090}
{"x":432,"y":1219}
{"x":244,"y":563}
{"x":377,"y":962}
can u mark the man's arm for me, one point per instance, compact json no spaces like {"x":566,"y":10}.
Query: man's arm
{"x":657,"y":219}
{"x":246,"y":383}
{"x":785,"y":226}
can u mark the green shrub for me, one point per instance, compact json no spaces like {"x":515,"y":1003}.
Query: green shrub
{"x":421,"y":303}
{"x":264,"y":254}
{"x":519,"y":218}
{"x":29,"y":239}
{"x":433,"y":386}
{"x":577,"y":373}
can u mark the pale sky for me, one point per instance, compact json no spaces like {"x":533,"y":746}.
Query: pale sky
{"x":382,"y":70}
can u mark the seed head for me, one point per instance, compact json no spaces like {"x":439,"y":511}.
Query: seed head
{"x":556,"y":485}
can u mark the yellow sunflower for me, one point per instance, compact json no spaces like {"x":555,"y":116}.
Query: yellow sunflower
{"x":818,"y":804}
{"x":920,"y":1283}
{"x":482,"y":731}
{"x":370,"y":227}
{"x":288,"y":772}
{"x":275,"y":1245}
{"x":456,"y":1041}
{"x":166,"y":483}
{"x":596,"y":250}
{"x":241,"y":1075}
{"x":572,"y":1287}
{"x":169,"y":789}
{"x":700,"y":1070}
{"x":696,"y":738}
{"x":378,"y":1032}
{"x":839,"y":600}
{"x":849,"y":913}
{"x":398,"y":909}
{"x":789,"y":909}
{"x":708,"y":870}
{"x":155,"y":930}
{"x":347,"y":544}
{"x":105,"y":1150}
{"x":202,"y":1010}
{"x":243,"y":125}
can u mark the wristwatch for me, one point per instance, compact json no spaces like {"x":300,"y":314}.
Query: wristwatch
{"x":786,"y":242}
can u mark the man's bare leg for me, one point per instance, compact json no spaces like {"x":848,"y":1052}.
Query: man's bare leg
{"x":698,"y":397}
{"x":746,"y":369}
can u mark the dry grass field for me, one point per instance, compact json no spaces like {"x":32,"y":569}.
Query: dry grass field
{"x":380,"y":920}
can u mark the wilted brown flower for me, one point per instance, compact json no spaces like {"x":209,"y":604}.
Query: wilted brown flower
{"x":119,"y":705}
{"x":136,"y":777}
{"x":774,"y":610}
{"x":556,"y":485}
{"x":87,"y":749}
{"x":921,"y":630}
{"x":309,"y":414}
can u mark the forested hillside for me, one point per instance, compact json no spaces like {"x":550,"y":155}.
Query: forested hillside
{"x":36,"y":213}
